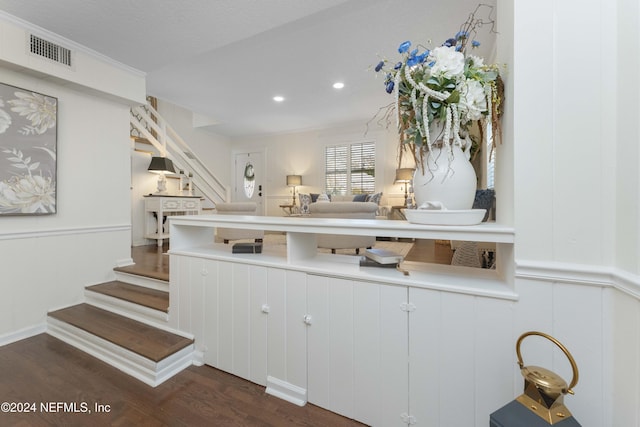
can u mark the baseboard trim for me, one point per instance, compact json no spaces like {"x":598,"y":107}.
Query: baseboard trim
{"x":22,"y":334}
{"x":149,"y":372}
{"x":124,"y":262}
{"x":286,"y":391}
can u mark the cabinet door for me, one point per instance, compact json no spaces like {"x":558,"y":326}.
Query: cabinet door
{"x":457,"y":347}
{"x":287,"y":335}
{"x":357,"y":349}
{"x":235,"y":326}
{"x":381,"y":329}
{"x":331,"y":344}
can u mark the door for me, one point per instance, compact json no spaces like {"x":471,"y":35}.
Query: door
{"x":249,"y":179}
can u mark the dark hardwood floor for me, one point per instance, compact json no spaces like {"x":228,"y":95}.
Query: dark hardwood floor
{"x":71,"y":388}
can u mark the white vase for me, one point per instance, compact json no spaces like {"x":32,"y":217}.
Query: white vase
{"x":446,"y":178}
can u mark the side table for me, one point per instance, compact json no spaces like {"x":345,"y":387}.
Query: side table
{"x":289,"y":209}
{"x":396,"y":213}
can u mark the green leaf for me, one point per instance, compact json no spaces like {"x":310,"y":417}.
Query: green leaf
{"x":454,"y":98}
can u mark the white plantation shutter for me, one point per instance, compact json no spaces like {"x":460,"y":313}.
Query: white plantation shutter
{"x":350,"y":168}
{"x":336,"y":160}
{"x":363,"y":168}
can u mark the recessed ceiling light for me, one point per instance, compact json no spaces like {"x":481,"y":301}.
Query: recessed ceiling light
{"x":278,"y":98}
{"x":338,"y":85}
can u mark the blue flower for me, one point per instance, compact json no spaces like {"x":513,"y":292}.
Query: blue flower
{"x":413,"y":60}
{"x":475,"y":43}
{"x":404,"y":47}
{"x":389,"y":86}
{"x":379,"y":66}
{"x":423,"y":57}
{"x":462,"y":35}
{"x":398,"y":66}
{"x":450,"y":42}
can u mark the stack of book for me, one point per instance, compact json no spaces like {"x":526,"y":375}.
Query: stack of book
{"x":380,"y":258}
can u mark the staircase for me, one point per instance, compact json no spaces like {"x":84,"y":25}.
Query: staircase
{"x":124,"y":323}
{"x":149,"y":126}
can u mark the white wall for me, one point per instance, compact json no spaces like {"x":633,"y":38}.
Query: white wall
{"x":46,"y":261}
{"x":302,"y":153}
{"x":575,"y":136}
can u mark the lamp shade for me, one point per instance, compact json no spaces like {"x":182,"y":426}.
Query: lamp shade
{"x":161,"y":165}
{"x":293,"y":180}
{"x":404,"y":175}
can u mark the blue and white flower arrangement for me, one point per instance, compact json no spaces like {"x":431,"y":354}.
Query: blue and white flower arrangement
{"x":444,"y":86}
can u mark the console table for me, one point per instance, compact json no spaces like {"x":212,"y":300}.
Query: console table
{"x":157,"y":207}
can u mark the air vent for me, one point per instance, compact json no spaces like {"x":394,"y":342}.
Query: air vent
{"x":41,"y":47}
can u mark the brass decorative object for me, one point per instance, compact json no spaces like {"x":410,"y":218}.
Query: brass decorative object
{"x":544,"y":390}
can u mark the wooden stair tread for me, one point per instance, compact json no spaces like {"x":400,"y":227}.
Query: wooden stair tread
{"x":147,"y":341}
{"x":147,"y":297}
{"x":145,"y":272}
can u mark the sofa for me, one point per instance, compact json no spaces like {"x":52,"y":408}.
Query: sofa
{"x":354,"y":210}
{"x":307,"y":199}
{"x":238,"y":208}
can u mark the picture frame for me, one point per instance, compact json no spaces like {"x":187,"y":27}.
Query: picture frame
{"x":28,"y":147}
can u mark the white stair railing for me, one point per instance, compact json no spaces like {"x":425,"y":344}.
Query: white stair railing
{"x":145,"y":119}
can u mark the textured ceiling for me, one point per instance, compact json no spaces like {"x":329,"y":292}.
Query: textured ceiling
{"x":226,"y":59}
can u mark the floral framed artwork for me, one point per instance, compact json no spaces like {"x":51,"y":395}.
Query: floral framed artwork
{"x":28,"y":140}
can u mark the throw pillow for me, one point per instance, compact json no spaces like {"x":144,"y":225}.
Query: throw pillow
{"x":375,"y":198}
{"x":360,"y":198}
{"x":323,"y":198}
{"x":305,"y":201}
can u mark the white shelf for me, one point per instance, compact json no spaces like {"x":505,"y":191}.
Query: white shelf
{"x":485,"y":232}
{"x":194,"y":236}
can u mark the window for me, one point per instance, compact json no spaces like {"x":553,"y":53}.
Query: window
{"x":350,"y":168}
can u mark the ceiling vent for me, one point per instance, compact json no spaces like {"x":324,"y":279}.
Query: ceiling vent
{"x":54,"y":52}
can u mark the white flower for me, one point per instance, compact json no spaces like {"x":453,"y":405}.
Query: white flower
{"x":5,"y":119}
{"x":39,"y":109}
{"x":448,"y":62}
{"x":28,"y":194}
{"x":473,"y":101}
{"x":476,"y":61}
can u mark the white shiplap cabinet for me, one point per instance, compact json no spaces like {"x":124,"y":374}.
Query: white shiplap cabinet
{"x":371,"y":344}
